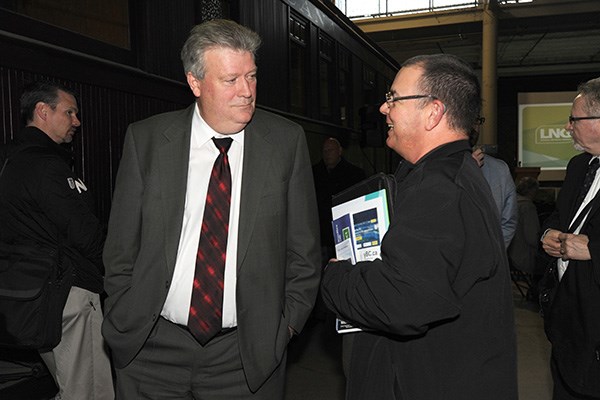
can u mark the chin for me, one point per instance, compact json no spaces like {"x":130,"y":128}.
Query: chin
{"x":389,"y":141}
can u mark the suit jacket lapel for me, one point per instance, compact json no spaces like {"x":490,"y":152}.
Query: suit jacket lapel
{"x":595,"y":202}
{"x":256,"y":161}
{"x":173,"y":158}
{"x":595,"y":206}
{"x":579,"y":171}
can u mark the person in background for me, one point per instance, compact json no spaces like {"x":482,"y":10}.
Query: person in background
{"x":332,"y":174}
{"x":44,"y":202}
{"x":497,"y":174}
{"x":436,"y":309}
{"x":212,"y":254}
{"x":572,"y":236}
{"x":524,"y":246}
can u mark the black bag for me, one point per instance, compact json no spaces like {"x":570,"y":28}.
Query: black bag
{"x":34,"y":288}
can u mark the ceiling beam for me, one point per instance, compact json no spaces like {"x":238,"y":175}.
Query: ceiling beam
{"x":539,"y":8}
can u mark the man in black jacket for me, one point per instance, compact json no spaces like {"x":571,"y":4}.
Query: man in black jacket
{"x":436,"y":309}
{"x":572,"y":322}
{"x":332,"y":175}
{"x":43,"y":203}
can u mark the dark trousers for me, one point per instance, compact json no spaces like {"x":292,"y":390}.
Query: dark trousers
{"x":173,"y":365}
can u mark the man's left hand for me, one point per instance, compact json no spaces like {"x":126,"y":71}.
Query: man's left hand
{"x":574,"y":247}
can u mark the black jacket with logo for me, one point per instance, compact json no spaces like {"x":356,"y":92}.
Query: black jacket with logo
{"x":42,"y":202}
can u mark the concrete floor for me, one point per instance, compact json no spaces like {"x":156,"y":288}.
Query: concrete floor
{"x":315,"y":369}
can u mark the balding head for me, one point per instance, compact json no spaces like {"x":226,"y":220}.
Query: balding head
{"x":332,"y":152}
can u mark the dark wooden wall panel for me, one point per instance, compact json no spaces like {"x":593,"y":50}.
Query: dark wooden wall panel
{"x":162,"y":28}
{"x":269,"y":18}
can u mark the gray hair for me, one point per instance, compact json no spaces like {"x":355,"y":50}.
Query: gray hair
{"x":590,"y":91}
{"x":452,"y":81}
{"x":216,"y":33}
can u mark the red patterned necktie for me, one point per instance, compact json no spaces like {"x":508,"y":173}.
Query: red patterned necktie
{"x":206,"y":306}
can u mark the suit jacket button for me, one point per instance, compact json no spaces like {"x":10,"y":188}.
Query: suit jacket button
{"x":167,"y":283}
{"x":153,"y":317}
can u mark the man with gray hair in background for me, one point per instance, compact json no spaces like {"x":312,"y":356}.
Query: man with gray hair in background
{"x":572,"y":236}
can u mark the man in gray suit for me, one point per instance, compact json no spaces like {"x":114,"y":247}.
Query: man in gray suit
{"x":152,"y":254}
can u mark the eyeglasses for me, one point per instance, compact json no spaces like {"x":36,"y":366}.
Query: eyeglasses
{"x":390,"y":99}
{"x":575,"y":119}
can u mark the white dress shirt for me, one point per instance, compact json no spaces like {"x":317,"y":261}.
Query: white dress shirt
{"x":203,"y":154}
{"x":563,"y":264}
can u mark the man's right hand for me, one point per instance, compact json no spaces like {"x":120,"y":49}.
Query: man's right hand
{"x":551,"y":242}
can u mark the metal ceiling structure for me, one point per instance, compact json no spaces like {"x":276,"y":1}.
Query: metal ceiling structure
{"x":538,"y":38}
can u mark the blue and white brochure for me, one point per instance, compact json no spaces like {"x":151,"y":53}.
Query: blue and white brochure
{"x":358,"y":228}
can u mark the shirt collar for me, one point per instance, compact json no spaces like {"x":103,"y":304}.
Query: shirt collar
{"x":202,"y":132}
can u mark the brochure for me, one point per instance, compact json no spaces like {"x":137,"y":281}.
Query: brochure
{"x":358,"y":228}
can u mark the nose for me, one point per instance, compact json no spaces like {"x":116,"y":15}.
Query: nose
{"x":569,"y":126}
{"x":75,"y":121}
{"x":384,"y":108}
{"x":245,"y":88}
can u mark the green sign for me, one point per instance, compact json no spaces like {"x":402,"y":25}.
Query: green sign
{"x":543,"y":138}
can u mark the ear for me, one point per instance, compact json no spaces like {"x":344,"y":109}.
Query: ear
{"x":40,"y":111}
{"x":194,"y":83}
{"x":436,"y":113}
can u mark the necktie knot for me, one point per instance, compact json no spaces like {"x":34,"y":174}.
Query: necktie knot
{"x":223,"y":144}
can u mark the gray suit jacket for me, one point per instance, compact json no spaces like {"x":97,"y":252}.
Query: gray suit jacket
{"x":497,"y":174}
{"x":278,"y":247}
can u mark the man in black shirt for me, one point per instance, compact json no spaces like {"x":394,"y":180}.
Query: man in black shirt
{"x":43,"y":203}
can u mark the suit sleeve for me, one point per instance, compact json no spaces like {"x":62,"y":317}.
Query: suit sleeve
{"x":510,"y":215}
{"x":123,"y":239}
{"x":303,"y":255}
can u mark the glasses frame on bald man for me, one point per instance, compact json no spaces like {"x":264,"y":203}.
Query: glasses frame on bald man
{"x":390,"y":98}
